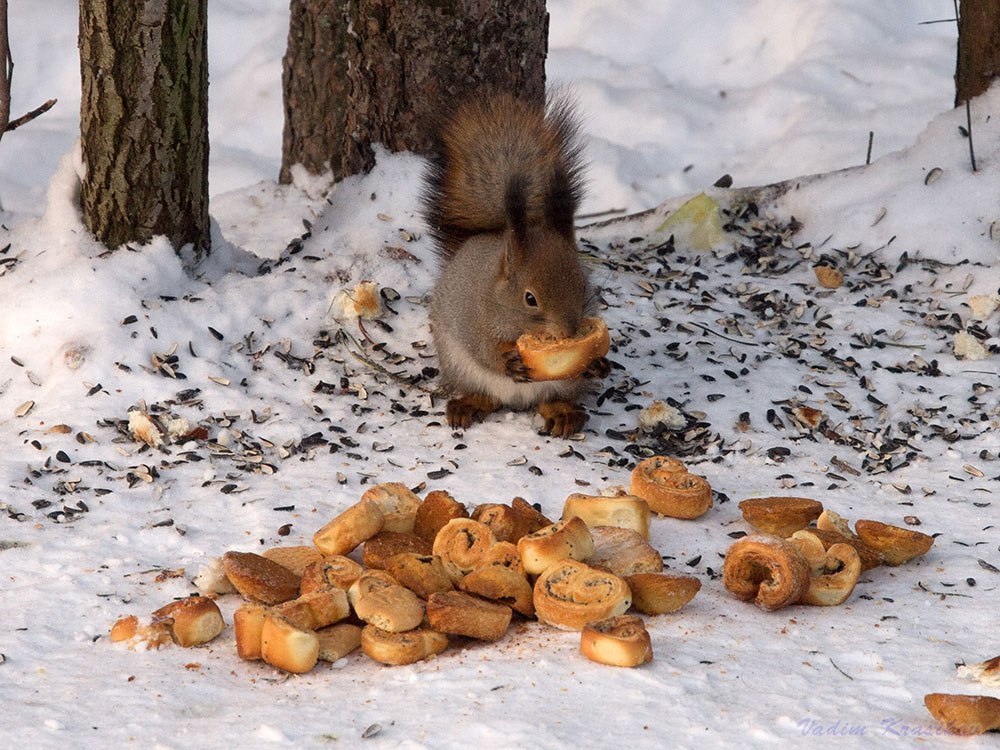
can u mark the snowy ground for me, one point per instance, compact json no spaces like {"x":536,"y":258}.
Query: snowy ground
{"x":301,"y":414}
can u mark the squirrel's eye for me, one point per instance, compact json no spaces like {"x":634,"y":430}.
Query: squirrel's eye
{"x":529,"y":300}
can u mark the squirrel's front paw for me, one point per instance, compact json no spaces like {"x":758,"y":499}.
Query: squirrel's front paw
{"x":598,"y":369}
{"x":515,"y":368}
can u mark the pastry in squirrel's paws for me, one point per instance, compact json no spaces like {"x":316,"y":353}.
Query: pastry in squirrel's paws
{"x":499,"y":199}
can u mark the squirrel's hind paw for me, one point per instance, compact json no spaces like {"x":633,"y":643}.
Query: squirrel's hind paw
{"x":467,"y":410}
{"x":562,"y":418}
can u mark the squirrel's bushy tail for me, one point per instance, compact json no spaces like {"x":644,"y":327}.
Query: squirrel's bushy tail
{"x":501,"y":163}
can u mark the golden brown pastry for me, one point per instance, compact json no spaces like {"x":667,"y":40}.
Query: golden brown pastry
{"x":315,"y":610}
{"x":897,"y":545}
{"x":623,"y":551}
{"x":659,"y":593}
{"x":422,"y":574}
{"x":459,"y":613}
{"x":333,"y":571}
{"x":503,"y":553}
{"x":192,"y":621}
{"x":434,"y":512}
{"x":965,"y":714}
{"x":337,"y":641}
{"x":564,"y":539}
{"x":248,"y":622}
{"x":461,"y":544}
{"x":385,"y":545}
{"x":870,"y":557}
{"x":766,"y":569}
{"x":402,"y":648}
{"x":536,"y":519}
{"x":360,"y":522}
{"x":506,"y":523}
{"x":286,"y":647}
{"x":503,"y":584}
{"x":393,"y":608}
{"x":671,"y":492}
{"x":296,"y":559}
{"x":259,"y":579}
{"x":398,"y":505}
{"x":370,"y":580}
{"x":620,"y":641}
{"x":549,"y":358}
{"x":834,"y":571}
{"x":624,"y":511}
{"x":569,"y":594}
{"x":780,"y":516}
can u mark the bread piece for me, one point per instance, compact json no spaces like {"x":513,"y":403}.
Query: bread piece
{"x":503,"y":553}
{"x":434,"y":512}
{"x":360,"y":522}
{"x":897,"y":545}
{"x":534,"y":515}
{"x":461,"y":544}
{"x":659,"y":593}
{"x":144,"y":633}
{"x":624,"y":511}
{"x":569,"y":594}
{"x":296,"y":559}
{"x":564,"y":539}
{"x":248,"y":623}
{"x":422,"y":574}
{"x":402,"y":648}
{"x":193,"y":621}
{"x":986,"y":672}
{"x":834,"y":571}
{"x":506,"y":523}
{"x":286,"y":647}
{"x":668,"y":491}
{"x":622,"y":551}
{"x":780,"y":516}
{"x":503,"y":584}
{"x":458,"y":613}
{"x":621,"y":641}
{"x":393,"y":608}
{"x":315,"y":610}
{"x":965,"y":714}
{"x":371,"y":580}
{"x":766,"y":569}
{"x":337,"y":641}
{"x":550,"y":358}
{"x":385,"y":545}
{"x":333,"y":571}
{"x":398,"y":505}
{"x":259,"y":579}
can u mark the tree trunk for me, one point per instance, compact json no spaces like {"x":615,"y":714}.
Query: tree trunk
{"x":978,"y":48}
{"x":6,"y":67}
{"x":314,"y":85}
{"x":144,"y":121}
{"x":410,"y":61}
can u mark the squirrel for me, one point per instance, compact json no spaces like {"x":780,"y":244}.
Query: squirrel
{"x":499,"y":197}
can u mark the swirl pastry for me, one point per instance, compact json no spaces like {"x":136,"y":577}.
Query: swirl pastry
{"x":621,"y":641}
{"x":564,"y":539}
{"x":669,"y":490}
{"x":834,"y":571}
{"x":569,"y":594}
{"x":502,"y":584}
{"x":336,"y":571}
{"x":402,"y":648}
{"x":461,"y":544}
{"x":766,"y":569}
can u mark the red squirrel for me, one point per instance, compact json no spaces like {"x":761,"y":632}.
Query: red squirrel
{"x":499,"y":197}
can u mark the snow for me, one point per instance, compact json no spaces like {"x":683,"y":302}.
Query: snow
{"x":718,"y":335}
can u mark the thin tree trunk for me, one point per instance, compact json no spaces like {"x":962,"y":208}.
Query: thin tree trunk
{"x":978,"y":48}
{"x":6,"y":69}
{"x":144,"y":121}
{"x":314,"y":84}
{"x":411,"y":61}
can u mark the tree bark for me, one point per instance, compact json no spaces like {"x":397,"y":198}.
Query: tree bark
{"x":144,"y":121}
{"x":314,"y":87}
{"x":978,"y":48}
{"x":410,"y":61}
{"x":6,"y":70}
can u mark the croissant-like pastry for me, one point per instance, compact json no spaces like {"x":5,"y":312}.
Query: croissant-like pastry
{"x":669,"y":489}
{"x":621,"y":641}
{"x":766,"y":569}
